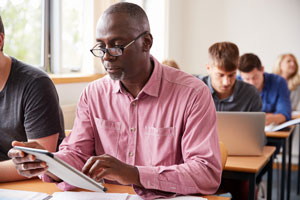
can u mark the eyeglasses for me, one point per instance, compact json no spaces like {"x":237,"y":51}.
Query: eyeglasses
{"x":114,"y":51}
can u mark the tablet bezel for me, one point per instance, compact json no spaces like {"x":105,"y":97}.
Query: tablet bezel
{"x":56,"y":166}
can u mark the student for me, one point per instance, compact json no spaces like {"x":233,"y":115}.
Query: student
{"x":29,"y":109}
{"x":135,"y":126}
{"x":273,"y":89}
{"x":170,"y":63}
{"x":287,"y":67}
{"x":228,"y":93}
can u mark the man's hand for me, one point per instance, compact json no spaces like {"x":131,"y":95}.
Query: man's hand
{"x":274,"y":118}
{"x":26,"y":164}
{"x":110,"y":168}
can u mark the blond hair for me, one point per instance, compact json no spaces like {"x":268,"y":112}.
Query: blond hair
{"x":171,"y":63}
{"x":294,"y":79}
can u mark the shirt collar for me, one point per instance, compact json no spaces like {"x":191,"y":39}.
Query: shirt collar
{"x":212,"y":91}
{"x":152,"y":87}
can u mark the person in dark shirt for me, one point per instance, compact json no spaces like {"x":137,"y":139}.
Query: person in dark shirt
{"x":228,"y":93}
{"x":29,"y":109}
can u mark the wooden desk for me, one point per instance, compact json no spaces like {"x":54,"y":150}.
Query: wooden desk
{"x":281,"y":137}
{"x":249,"y":167}
{"x":36,"y":185}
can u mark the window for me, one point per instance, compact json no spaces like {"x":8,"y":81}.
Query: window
{"x":23,"y":29}
{"x":72,"y":37}
{"x":55,"y":35}
{"x":156,"y":12}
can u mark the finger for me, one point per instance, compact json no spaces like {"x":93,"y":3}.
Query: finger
{"x":27,"y":158}
{"x":31,"y":166}
{"x":107,"y":160}
{"x":95,"y":169}
{"x":17,"y":143}
{"x":88,"y":165}
{"x":32,"y":144}
{"x":32,"y":173}
{"x":14,"y":153}
{"x":102,"y":174}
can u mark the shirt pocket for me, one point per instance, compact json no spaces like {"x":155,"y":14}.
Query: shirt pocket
{"x":109,"y":135}
{"x":161,"y":143}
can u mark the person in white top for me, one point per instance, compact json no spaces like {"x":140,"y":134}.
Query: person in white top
{"x":287,"y":67}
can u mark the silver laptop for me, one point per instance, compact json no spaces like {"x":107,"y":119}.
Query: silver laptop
{"x":242,"y":132}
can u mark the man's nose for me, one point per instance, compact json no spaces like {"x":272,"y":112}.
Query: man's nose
{"x":107,"y":56}
{"x":226,"y":81}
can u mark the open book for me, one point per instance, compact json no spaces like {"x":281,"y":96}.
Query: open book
{"x":272,"y":127}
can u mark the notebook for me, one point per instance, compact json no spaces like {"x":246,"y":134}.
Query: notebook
{"x":242,"y":132}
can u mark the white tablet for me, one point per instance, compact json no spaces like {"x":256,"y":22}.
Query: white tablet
{"x":63,"y":170}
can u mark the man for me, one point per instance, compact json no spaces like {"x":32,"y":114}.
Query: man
{"x":228,"y":93}
{"x":273,"y":89}
{"x":146,"y":125}
{"x":29,"y":109}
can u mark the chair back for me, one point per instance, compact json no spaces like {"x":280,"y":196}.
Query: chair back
{"x":224,"y":154}
{"x":67,"y":132}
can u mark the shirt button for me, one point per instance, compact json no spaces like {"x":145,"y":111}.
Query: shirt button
{"x":132,"y":129}
{"x":133,"y":104}
{"x":130,"y":154}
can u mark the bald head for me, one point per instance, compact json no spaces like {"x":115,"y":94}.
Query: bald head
{"x":135,"y":14}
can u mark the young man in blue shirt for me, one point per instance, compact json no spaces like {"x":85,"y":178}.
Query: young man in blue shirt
{"x":273,"y":89}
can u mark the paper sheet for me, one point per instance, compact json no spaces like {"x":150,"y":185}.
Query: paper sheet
{"x":272,"y":127}
{"x":21,"y":195}
{"x":88,"y":196}
{"x":26,"y":195}
{"x":109,"y":196}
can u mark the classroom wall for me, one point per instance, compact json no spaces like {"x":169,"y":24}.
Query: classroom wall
{"x":264,"y":27}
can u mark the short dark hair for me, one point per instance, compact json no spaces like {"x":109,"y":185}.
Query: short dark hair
{"x":248,"y":62}
{"x":1,"y":29}
{"x":225,"y":55}
{"x":134,"y":11}
{"x":124,"y":7}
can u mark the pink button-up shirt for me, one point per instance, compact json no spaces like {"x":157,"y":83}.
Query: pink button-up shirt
{"x":168,"y":131}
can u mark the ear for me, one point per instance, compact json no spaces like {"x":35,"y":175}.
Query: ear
{"x":262,"y":69}
{"x":147,"y":42}
{"x":208,"y":67}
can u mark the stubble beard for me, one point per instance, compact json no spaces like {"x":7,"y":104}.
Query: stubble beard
{"x":118,"y":77}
